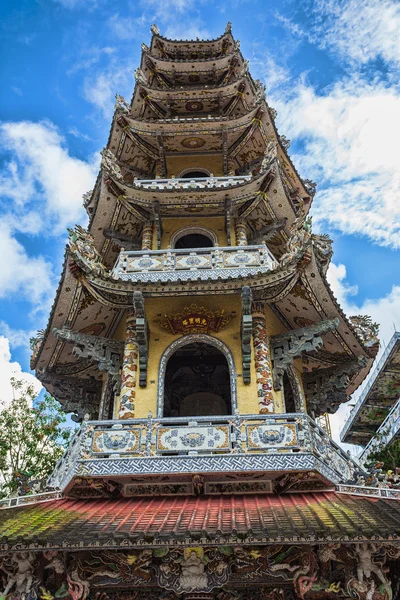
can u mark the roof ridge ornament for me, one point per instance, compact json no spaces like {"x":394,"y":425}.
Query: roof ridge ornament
{"x":109,"y":164}
{"x":121,"y":105}
{"x":84,"y":251}
{"x":228,"y":27}
{"x":154,"y":29}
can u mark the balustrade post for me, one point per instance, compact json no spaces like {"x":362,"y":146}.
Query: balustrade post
{"x":147,"y":236}
{"x":129,"y":372}
{"x":240,"y":232}
{"x":262,"y":358}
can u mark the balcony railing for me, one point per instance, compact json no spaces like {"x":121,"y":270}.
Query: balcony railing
{"x":201,"y":264}
{"x":196,"y":183}
{"x":385,"y":434}
{"x":203,"y":444}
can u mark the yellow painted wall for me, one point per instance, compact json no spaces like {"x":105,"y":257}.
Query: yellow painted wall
{"x":177,"y":164}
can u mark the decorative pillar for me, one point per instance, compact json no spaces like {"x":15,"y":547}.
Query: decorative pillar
{"x":129,"y":372}
{"x":147,"y":236}
{"x":240,"y":232}
{"x":262,"y":360}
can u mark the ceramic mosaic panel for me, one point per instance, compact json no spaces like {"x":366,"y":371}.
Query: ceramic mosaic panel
{"x":145,"y":263}
{"x":271,"y":436}
{"x":199,"y":438}
{"x":117,"y":441}
{"x":240,"y":259}
{"x":194,"y":260}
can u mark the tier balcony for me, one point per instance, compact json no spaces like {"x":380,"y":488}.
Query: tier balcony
{"x":142,"y":456}
{"x":196,"y":183}
{"x":202,"y":264}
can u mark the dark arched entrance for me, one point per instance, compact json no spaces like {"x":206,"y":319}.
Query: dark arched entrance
{"x":197,"y":382}
{"x":194,"y":240}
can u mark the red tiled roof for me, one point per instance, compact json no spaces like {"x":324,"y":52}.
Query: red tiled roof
{"x":267,"y":519}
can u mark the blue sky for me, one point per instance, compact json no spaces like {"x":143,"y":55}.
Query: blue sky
{"x":331,"y":69}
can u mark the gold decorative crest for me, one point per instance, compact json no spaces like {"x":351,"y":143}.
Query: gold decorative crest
{"x":196,"y":319}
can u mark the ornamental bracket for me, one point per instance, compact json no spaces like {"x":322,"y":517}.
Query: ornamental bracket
{"x":286,"y":347}
{"x":142,"y":337}
{"x":246,"y":329}
{"x":106,"y":352}
{"x":75,"y":394}
{"x":325,"y":389}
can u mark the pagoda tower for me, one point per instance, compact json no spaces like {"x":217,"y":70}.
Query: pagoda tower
{"x":196,"y":339}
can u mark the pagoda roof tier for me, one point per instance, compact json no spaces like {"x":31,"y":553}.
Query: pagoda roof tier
{"x":349,"y":342}
{"x":302,"y":518}
{"x":166,"y":73}
{"x":188,"y":100}
{"x":162,"y":46}
{"x":374,"y":407}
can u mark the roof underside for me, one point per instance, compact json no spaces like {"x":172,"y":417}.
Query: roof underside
{"x":379,"y":396}
{"x":303,"y":518}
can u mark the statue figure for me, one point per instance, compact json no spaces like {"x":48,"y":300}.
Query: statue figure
{"x":193,"y":576}
{"x":121,"y":105}
{"x":311,"y":187}
{"x":86,"y":197}
{"x":154,"y":29}
{"x":366,"y":566}
{"x":145,"y":47}
{"x":270,"y":154}
{"x":300,"y":236}
{"x":22,"y":575}
{"x":228,"y":27}
{"x":366,"y":329}
{"x":109,"y":164}
{"x":82,"y":246}
{"x":140,"y":76}
{"x":322,"y":245}
{"x":285,"y":143}
{"x":273,"y":113}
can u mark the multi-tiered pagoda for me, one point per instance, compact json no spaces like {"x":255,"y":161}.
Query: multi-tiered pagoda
{"x":196,"y":338}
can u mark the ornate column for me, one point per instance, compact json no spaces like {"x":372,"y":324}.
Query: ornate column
{"x":129,"y":371}
{"x":147,"y":236}
{"x":262,"y":359}
{"x":240,"y":232}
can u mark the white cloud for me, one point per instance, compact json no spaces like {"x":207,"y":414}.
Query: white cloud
{"x":384,"y":310}
{"x":18,"y":338}
{"x":349,"y":135}
{"x":100,"y":88}
{"x":359,"y":31}
{"x":25,"y":276}
{"x":41,"y":176}
{"x":9,"y":370}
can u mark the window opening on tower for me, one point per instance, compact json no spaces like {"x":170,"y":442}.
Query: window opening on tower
{"x":197,"y":382}
{"x":194,"y":240}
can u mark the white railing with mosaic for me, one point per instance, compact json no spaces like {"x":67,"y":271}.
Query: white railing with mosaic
{"x":168,"y":438}
{"x":184,"y":183}
{"x":194,"y":264}
{"x":30,"y":499}
{"x":373,"y":492}
{"x":385,"y":434}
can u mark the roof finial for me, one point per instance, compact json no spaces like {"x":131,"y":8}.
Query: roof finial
{"x":154,"y":29}
{"x":228,"y":27}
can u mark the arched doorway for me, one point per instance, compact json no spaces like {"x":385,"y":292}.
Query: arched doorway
{"x":196,"y":378}
{"x":194,"y":173}
{"x":193,"y":237}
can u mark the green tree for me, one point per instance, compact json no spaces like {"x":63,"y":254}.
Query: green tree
{"x":33,"y":436}
{"x":388,"y":455}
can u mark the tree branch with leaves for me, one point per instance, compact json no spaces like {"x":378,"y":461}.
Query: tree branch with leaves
{"x":33,"y":437}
